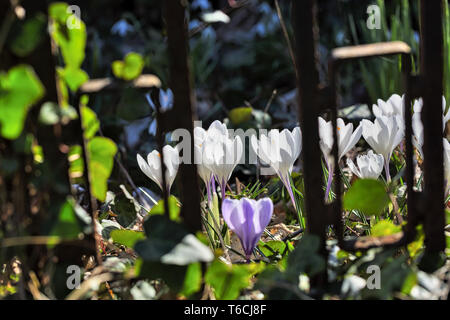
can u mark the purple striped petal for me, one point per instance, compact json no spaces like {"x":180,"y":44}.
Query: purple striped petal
{"x":247,"y":218}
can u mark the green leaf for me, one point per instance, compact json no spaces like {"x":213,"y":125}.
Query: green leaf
{"x":101,"y":161}
{"x":130,"y":68}
{"x":125,"y":207}
{"x":192,"y":280}
{"x":272,"y":248}
{"x":228,"y":280}
{"x":174,"y":208}
{"x":240,"y":115}
{"x":90,"y":122}
{"x":74,"y":77}
{"x":71,"y":41}
{"x":29,"y":36}
{"x":305,"y":258}
{"x":366,"y":195}
{"x":173,"y":276}
{"x":127,"y":238}
{"x":384,"y":228}
{"x":20,"y":88}
{"x":168,"y":242}
{"x":67,"y":226}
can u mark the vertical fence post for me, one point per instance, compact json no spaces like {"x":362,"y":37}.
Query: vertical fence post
{"x":183,"y":112}
{"x":306,"y":33}
{"x":431,"y":64}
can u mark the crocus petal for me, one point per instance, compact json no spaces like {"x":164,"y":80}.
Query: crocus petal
{"x":250,"y":233}
{"x":247,"y":218}
{"x":264,"y":207}
{"x":279,"y":150}
{"x":152,"y":168}
{"x":353,"y":168}
{"x":352,"y":141}
{"x":233,"y":215}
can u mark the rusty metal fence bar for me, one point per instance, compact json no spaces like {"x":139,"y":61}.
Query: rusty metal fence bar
{"x":348,"y":54}
{"x":426,"y":207}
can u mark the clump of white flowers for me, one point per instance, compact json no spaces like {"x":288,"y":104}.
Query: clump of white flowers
{"x":217,"y":151}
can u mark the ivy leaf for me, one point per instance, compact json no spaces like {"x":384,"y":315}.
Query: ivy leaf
{"x":169,"y":243}
{"x":192,"y":280}
{"x":384,"y":228}
{"x":130,"y":68}
{"x":20,"y":88}
{"x":101,"y":160}
{"x":240,"y":115}
{"x":228,"y":280}
{"x":90,"y":122}
{"x":127,"y":238}
{"x":305,"y":258}
{"x":125,"y":207}
{"x":67,"y":225}
{"x":74,"y":77}
{"x":71,"y":41}
{"x":272,"y":248}
{"x":30,"y":35}
{"x":366,"y":195}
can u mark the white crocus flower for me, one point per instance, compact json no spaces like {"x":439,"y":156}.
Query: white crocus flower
{"x":383,"y":135}
{"x":394,"y":106}
{"x":347,"y":139}
{"x":418,"y":126}
{"x":369,"y":165}
{"x":280,"y":150}
{"x":152,"y":167}
{"x":221,"y":153}
{"x":346,"y":136}
{"x":203,"y":171}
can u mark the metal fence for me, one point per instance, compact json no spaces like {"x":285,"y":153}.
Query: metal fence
{"x":314,"y":99}
{"x":426,"y":207}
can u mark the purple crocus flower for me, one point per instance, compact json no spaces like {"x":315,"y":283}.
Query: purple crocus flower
{"x":247,"y":218}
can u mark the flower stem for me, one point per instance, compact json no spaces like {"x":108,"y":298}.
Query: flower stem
{"x":330,"y":179}
{"x":386,"y":169}
{"x":223,"y":185}
{"x":208,"y":191}
{"x":288,"y":186}
{"x":213,"y":183}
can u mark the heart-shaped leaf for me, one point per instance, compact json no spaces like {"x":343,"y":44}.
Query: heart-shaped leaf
{"x":20,"y":88}
{"x":366,"y":195}
{"x":130,"y":68}
{"x":101,"y":160}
